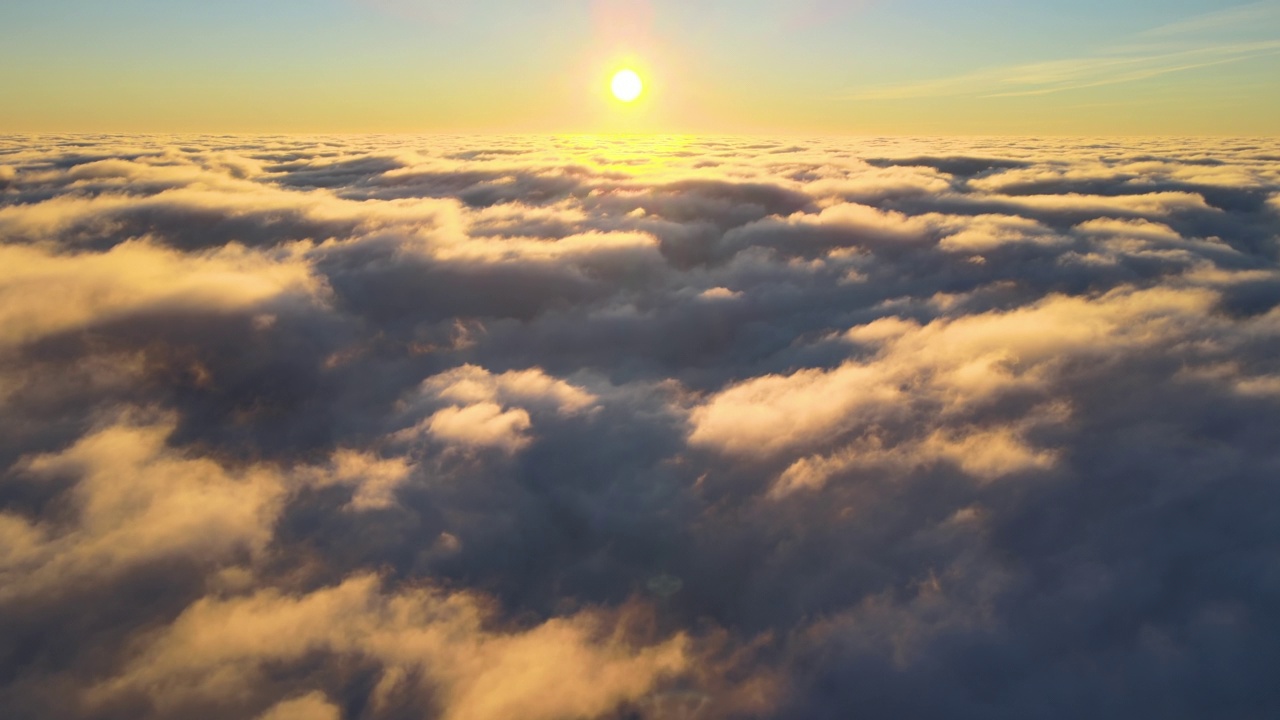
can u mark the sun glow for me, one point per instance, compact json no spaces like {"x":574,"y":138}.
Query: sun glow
{"x":627,"y":85}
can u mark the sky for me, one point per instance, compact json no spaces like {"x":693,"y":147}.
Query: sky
{"x":912,"y":67}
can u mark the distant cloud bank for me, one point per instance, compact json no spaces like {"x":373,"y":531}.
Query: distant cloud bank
{"x":541,"y":428}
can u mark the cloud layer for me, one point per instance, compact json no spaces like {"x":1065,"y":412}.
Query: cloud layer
{"x":481,"y":428}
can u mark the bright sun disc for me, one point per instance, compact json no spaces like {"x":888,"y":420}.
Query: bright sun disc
{"x":627,"y":85}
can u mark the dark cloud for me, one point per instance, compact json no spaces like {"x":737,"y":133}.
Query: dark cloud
{"x":317,"y":428}
{"x":957,"y":165}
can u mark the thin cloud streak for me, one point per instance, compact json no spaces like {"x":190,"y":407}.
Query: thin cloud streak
{"x":1072,"y":74}
{"x":1244,"y":17}
{"x":1218,"y":38}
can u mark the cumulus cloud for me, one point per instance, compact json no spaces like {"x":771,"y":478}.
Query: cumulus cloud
{"x":373,"y":478}
{"x":44,"y":291}
{"x":471,"y":384}
{"x":946,"y":368}
{"x":488,"y":410}
{"x":425,"y":642}
{"x":134,"y":501}
{"x":483,"y":425}
{"x":312,"y":706}
{"x":471,"y":428}
{"x":719,"y":293}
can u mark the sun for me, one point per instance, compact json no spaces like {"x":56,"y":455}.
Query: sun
{"x":627,"y":85}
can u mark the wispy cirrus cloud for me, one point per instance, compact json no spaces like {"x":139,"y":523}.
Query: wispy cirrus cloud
{"x":1217,"y":38}
{"x":1055,"y":76}
{"x":1244,"y":17}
